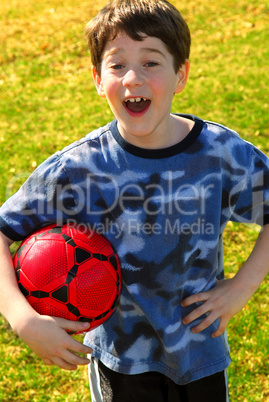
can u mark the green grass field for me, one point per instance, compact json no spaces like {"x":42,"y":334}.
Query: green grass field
{"x":47,"y":100}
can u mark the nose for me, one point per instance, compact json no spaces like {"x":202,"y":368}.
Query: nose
{"x":133,"y":77}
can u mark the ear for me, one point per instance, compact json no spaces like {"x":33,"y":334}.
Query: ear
{"x":98,"y":83}
{"x":183,"y":74}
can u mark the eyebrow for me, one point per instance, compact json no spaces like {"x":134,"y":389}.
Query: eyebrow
{"x":153,"y":50}
{"x":116,"y":51}
{"x":112,"y":52}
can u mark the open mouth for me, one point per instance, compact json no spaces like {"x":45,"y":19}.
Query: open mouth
{"x":137,"y":105}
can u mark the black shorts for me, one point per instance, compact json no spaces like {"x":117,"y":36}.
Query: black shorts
{"x":110,"y":386}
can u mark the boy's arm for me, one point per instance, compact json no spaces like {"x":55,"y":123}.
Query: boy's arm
{"x":46,"y":336}
{"x":229,"y":296}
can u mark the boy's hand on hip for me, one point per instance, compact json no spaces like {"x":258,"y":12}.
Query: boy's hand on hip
{"x":223,"y":302}
{"x":48,"y":338}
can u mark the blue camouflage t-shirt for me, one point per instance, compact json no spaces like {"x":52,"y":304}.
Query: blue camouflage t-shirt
{"x":164,"y":211}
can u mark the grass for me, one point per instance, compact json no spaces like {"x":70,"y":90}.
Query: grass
{"x":47,"y":100}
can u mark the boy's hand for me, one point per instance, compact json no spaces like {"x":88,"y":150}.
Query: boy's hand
{"x":223,"y":301}
{"x":229,"y":296}
{"x":45,"y":335}
{"x":48,"y":338}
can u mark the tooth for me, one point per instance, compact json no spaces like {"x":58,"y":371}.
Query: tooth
{"x":137,"y":100}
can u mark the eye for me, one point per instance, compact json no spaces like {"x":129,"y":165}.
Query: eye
{"x":151,"y":64}
{"x":116,"y":66}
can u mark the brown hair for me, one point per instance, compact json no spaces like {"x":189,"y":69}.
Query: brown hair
{"x":137,"y":18}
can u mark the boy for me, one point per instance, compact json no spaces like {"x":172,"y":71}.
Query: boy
{"x":161,"y":187}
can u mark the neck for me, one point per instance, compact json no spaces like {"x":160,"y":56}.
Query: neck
{"x":175,"y":131}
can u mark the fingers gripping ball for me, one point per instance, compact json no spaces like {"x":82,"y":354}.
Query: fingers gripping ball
{"x":69,"y":273}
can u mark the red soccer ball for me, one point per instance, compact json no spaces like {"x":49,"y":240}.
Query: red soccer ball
{"x":67,"y":272}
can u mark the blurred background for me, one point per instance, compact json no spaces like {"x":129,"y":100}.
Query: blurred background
{"x":48,"y":100}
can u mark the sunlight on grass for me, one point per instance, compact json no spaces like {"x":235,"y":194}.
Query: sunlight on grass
{"x":47,"y":100}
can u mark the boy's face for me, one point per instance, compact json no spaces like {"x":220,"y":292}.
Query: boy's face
{"x":138,"y":80}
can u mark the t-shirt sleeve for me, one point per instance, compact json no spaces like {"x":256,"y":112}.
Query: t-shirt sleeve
{"x":249,"y":198}
{"x":46,"y":197}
